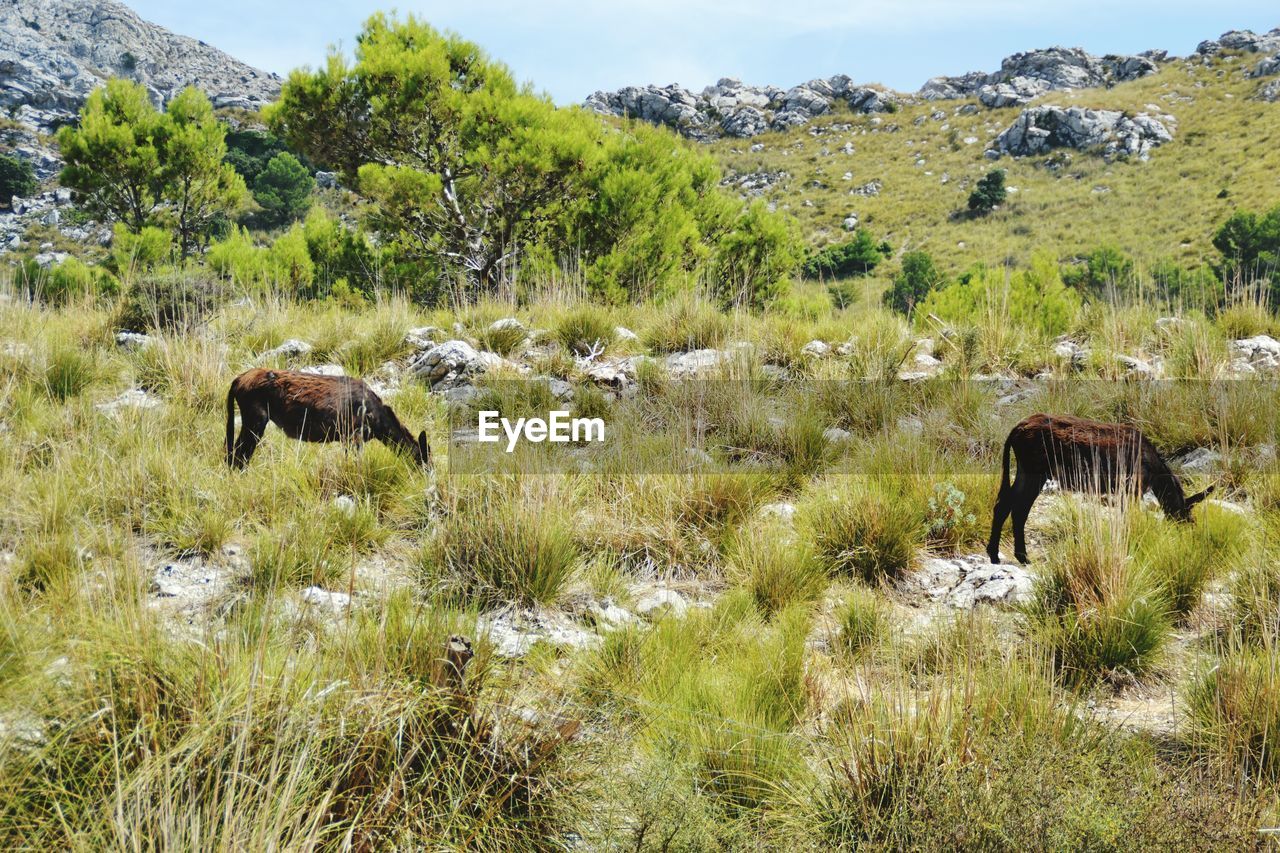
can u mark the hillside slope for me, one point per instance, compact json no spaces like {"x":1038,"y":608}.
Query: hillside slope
{"x":926,"y":157}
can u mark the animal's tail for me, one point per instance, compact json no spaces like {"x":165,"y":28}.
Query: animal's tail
{"x":231,"y":423}
{"x":1008,"y":445}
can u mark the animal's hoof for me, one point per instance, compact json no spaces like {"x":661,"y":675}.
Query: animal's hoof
{"x":1022,"y":558}
{"x":995,"y":558}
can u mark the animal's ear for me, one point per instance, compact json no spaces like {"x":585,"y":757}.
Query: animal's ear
{"x":1195,"y":499}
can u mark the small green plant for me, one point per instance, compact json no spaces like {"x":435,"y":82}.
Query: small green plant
{"x":17,"y":178}
{"x":863,"y":621}
{"x":948,"y":518}
{"x":863,"y":533}
{"x":585,"y":330}
{"x":778,"y":569}
{"x":989,"y":194}
{"x":687,"y":323}
{"x":918,"y":277}
{"x":1236,"y":709}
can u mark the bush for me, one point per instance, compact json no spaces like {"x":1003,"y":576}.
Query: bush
{"x":502,"y":540}
{"x":779,"y":569}
{"x":857,"y":257}
{"x":17,"y":178}
{"x":989,"y":193}
{"x":687,"y":323}
{"x":1249,"y":244}
{"x":171,"y":300}
{"x":73,"y":279}
{"x":283,"y":190}
{"x":1236,"y":709}
{"x":863,"y":620}
{"x":1034,"y":298}
{"x":134,"y":254}
{"x":918,"y":277}
{"x":755,"y":258}
{"x":865,"y":533}
{"x":1101,"y":615}
{"x":585,"y":329}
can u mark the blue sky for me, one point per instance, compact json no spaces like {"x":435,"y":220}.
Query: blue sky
{"x":570,"y":48}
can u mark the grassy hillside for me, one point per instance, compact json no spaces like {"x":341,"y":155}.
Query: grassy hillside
{"x":1225,"y":155}
{"x":739,"y":656}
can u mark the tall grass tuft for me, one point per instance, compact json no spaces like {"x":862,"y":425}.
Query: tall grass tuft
{"x":862,"y":531}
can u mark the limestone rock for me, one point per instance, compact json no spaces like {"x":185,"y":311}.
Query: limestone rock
{"x":967,"y":581}
{"x":1042,"y":128}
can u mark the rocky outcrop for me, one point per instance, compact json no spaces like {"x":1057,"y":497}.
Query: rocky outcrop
{"x":733,"y":108}
{"x":1240,"y":40}
{"x":53,"y":53}
{"x":1042,"y":128}
{"x":1026,"y":76}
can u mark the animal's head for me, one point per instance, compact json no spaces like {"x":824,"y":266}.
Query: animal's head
{"x":1184,"y":514}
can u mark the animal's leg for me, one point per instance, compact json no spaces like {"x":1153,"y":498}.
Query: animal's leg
{"x":1025,"y":494}
{"x":253,"y":423}
{"x":1004,"y":503}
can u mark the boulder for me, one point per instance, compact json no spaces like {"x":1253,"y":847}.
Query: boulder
{"x":696,"y":363}
{"x":291,"y":348}
{"x":1240,"y":40}
{"x":1028,"y":75}
{"x":660,"y":602}
{"x":1042,"y":128}
{"x":423,"y":337}
{"x":451,"y":360}
{"x":816,"y":349}
{"x":1260,"y":353}
{"x":967,"y":581}
{"x":135,"y":398}
{"x":134,"y":341}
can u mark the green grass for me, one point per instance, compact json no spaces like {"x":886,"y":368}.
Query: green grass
{"x":811,"y":703}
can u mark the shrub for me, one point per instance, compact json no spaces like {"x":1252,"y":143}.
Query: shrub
{"x":17,"y":178}
{"x":755,"y":258}
{"x":687,"y":323}
{"x":989,"y":193}
{"x":1255,"y":603}
{"x":779,"y":569}
{"x":1035,"y":298}
{"x":865,"y":533}
{"x":68,"y":372}
{"x":503,"y":540}
{"x":1249,"y":244}
{"x":1101,"y":615}
{"x":910,"y":286}
{"x":171,"y":300}
{"x":73,"y":279}
{"x":585,"y":329}
{"x":134,"y":254}
{"x":856,"y":257}
{"x":504,"y":340}
{"x":283,"y":190}
{"x":1236,"y":709}
{"x":863,"y":621}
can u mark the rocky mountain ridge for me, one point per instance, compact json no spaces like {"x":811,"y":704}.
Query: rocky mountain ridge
{"x":732,"y":108}
{"x":53,"y":53}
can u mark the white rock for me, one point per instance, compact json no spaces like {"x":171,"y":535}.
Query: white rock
{"x":836,"y":435}
{"x":326,"y":600}
{"x":505,"y":324}
{"x":1202,"y":460}
{"x":685,"y":365}
{"x":422,"y":337}
{"x":324,"y":370}
{"x":344,"y":504}
{"x":134,"y":398}
{"x":782,"y":510}
{"x":133,"y":341}
{"x":660,"y":602}
{"x":816,"y":349}
{"x":622,"y":333}
{"x":289,"y":349}
{"x":965,"y":581}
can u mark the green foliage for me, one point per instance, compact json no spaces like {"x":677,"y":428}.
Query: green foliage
{"x":863,"y":620}
{"x":170,"y":300}
{"x":778,"y":570}
{"x":249,"y":151}
{"x":989,"y":193}
{"x":1034,"y":298}
{"x":285,"y":264}
{"x":283,"y":190}
{"x":686,"y":323}
{"x":73,"y":279}
{"x":469,"y":173}
{"x":145,"y":168}
{"x":17,"y":178}
{"x":910,"y":286}
{"x":339,"y":253}
{"x":1236,"y":711}
{"x":755,"y":258}
{"x":584,"y":330}
{"x":132,"y":254}
{"x":863,"y":532}
{"x":1249,"y":244}
{"x":855,"y":257}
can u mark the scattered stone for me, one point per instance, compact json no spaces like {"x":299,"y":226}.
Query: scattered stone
{"x":688,"y":365}
{"x":423,"y":337}
{"x":324,"y":370}
{"x":451,"y":361}
{"x":1260,"y":353}
{"x":1042,"y":128}
{"x":836,"y":435}
{"x":133,"y":341}
{"x":134,"y":398}
{"x":506,"y":324}
{"x":622,"y":333}
{"x":1027,"y":75}
{"x":782,"y":510}
{"x":967,"y":581}
{"x":1202,"y":460}
{"x":292,"y":348}
{"x":328,"y":602}
{"x":345,"y":504}
{"x":816,"y":349}
{"x":660,"y":602}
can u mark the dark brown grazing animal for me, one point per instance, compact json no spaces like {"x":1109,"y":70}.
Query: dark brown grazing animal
{"x":1083,"y":456}
{"x":310,"y":407}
